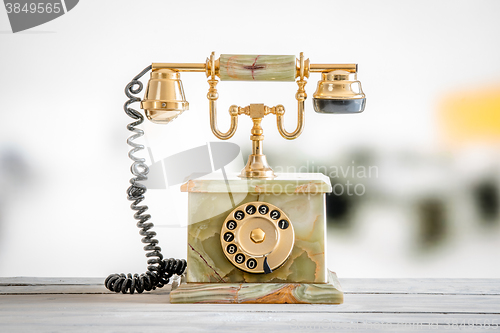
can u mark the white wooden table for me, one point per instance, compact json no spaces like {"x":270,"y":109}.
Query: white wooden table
{"x":378,"y":305}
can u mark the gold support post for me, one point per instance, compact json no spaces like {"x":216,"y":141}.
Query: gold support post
{"x":257,"y":166}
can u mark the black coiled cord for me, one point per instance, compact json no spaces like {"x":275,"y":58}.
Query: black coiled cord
{"x":159,"y":270}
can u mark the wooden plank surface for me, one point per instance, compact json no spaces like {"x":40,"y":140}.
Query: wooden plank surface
{"x":375,"y":305}
{"x":350,"y":286}
{"x":423,"y":286}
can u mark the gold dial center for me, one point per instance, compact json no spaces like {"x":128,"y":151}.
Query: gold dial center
{"x":257,"y":235}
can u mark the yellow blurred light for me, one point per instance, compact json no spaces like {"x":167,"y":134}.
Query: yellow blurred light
{"x":471,"y":117}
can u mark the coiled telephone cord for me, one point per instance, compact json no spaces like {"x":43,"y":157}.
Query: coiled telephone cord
{"x":159,"y":270}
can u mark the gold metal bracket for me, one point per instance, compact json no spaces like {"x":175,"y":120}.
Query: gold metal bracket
{"x":257,"y":165}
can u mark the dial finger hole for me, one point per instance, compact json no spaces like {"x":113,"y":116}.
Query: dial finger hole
{"x":239,"y":215}
{"x":228,"y":236}
{"x":251,"y":209}
{"x":283,"y":224}
{"x":231,"y":225}
{"x":251,"y":263}
{"x":263,"y":209}
{"x":231,"y":249}
{"x":275,"y":214}
{"x":240,"y":258}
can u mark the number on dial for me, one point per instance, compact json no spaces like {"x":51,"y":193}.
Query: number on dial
{"x":231,"y":225}
{"x":228,"y":236}
{"x":231,"y":249}
{"x":263,"y":209}
{"x":283,"y":224}
{"x":240,"y":258}
{"x":239,"y":215}
{"x":275,"y":215}
{"x":251,"y":263}
{"x":251,"y":209}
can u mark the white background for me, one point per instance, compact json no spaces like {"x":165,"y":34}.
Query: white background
{"x":62,"y":94}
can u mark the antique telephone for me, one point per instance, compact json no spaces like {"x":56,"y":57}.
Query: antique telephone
{"x":256,"y":237}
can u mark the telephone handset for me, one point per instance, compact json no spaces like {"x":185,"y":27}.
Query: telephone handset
{"x":258,"y":234}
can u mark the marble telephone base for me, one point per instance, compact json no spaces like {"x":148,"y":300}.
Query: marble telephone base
{"x":259,"y":293}
{"x":258,"y":241}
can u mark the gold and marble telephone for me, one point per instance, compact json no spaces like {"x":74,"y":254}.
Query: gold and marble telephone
{"x":255,"y":237}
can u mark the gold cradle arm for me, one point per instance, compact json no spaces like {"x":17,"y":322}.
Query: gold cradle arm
{"x":212,"y":97}
{"x":279,"y":110}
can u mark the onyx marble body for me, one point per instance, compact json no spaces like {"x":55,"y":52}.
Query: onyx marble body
{"x":300,"y":196}
{"x":259,"y":293}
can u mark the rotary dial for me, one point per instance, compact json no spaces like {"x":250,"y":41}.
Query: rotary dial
{"x":257,"y":237}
